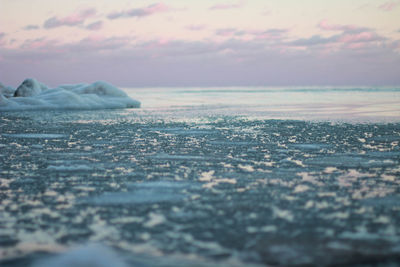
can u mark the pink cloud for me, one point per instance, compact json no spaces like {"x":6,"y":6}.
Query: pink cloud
{"x":344,"y":38}
{"x":389,"y":6}
{"x":196,"y":27}
{"x":356,"y":45}
{"x":360,"y":37}
{"x":31,"y":27}
{"x":315,"y":40}
{"x":199,"y":63}
{"x":2,"y":34}
{"x":350,"y":34}
{"x":324,"y":25}
{"x":39,"y":43}
{"x":271,"y":34}
{"x":98,"y":43}
{"x":249,"y":34}
{"x":95,"y":26}
{"x":353,"y":39}
{"x":140,"y":12}
{"x":226,"y":6}
{"x":71,"y":20}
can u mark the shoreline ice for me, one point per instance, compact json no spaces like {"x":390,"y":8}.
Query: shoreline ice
{"x":33,"y":95}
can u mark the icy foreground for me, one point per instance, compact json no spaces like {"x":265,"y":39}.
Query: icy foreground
{"x":209,"y":191}
{"x":33,"y":95}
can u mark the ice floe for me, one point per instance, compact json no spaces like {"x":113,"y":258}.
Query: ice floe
{"x":35,"y":135}
{"x":90,"y":255}
{"x":33,"y":95}
{"x":146,"y":192}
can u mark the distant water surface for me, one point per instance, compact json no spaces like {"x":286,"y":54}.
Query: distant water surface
{"x":360,"y":104}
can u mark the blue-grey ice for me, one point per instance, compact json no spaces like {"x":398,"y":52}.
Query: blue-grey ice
{"x":33,"y":95}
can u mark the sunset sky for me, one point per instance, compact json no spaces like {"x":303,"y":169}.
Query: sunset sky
{"x":201,"y":43}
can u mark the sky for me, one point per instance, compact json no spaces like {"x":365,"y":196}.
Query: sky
{"x":139,"y":43}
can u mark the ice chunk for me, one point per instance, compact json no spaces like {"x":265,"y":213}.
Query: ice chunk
{"x":91,"y":255}
{"x":164,"y":156}
{"x":32,"y":95}
{"x":310,"y":146}
{"x":98,"y":88}
{"x":145,"y":192}
{"x":349,"y":161}
{"x":65,"y":168}
{"x":155,"y":219}
{"x":36,"y":135}
{"x":6,"y":91}
{"x":30,"y":87}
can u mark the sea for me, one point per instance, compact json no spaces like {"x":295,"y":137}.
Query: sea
{"x":207,"y":176}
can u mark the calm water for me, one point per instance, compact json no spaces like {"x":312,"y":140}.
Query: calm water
{"x":311,"y":104}
{"x":206,"y":177}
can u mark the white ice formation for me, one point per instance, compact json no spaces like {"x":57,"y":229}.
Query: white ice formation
{"x":33,"y":95}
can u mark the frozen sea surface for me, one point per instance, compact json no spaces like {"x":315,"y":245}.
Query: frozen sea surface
{"x":277,"y":180}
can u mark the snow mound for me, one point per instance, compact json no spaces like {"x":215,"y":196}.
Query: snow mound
{"x":33,"y":95}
